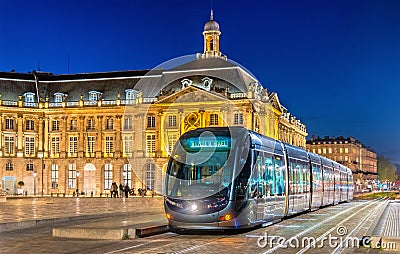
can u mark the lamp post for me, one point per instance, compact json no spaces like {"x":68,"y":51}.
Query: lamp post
{"x":77,"y":183}
{"x":34,"y":183}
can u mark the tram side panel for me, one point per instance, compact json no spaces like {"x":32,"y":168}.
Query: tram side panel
{"x":327,"y":179}
{"x":336,"y":183}
{"x":316,"y":181}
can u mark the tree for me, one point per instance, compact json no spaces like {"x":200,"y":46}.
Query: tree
{"x":386,"y":170}
{"x":21,"y":184}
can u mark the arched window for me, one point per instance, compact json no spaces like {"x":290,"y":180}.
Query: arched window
{"x":150,"y":169}
{"x":211,"y":45}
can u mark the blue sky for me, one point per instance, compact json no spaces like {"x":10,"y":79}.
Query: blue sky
{"x":335,"y":64}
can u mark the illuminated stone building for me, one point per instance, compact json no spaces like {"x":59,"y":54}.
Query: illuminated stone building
{"x":349,"y":152}
{"x":86,"y":131}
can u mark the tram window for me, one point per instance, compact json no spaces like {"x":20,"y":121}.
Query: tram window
{"x":269,"y":175}
{"x":292,"y":176}
{"x":279,"y":176}
{"x":255,"y":176}
{"x":316,"y":177}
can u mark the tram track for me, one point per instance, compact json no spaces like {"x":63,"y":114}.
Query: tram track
{"x":296,"y":237}
{"x":309,"y":224}
{"x":339,"y":226}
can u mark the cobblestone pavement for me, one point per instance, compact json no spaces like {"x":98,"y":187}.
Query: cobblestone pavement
{"x":354,"y":218}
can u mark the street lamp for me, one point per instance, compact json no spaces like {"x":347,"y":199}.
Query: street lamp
{"x":77,"y":183}
{"x":34,"y":183}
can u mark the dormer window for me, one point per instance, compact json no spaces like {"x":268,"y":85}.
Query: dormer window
{"x":29,"y":99}
{"x":130,"y":94}
{"x":94,"y":96}
{"x":58,"y":97}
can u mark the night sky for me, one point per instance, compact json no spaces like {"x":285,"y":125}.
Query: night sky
{"x":335,"y":64}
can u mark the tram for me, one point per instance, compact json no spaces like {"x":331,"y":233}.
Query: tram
{"x":232,"y":178}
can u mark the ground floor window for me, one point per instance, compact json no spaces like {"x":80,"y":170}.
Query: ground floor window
{"x":127,"y":175}
{"x":150,"y":170}
{"x":71,"y":176}
{"x":108,"y":176}
{"x":54,"y":176}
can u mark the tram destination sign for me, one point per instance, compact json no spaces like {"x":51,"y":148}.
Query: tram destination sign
{"x":209,"y":142}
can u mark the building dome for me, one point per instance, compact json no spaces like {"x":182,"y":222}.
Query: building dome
{"x":211,"y":25}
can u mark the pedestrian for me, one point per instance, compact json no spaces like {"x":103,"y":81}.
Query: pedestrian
{"x":126,"y":189}
{"x":121,"y":190}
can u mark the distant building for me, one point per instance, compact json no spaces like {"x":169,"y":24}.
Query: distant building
{"x":86,"y":131}
{"x":350,"y":153}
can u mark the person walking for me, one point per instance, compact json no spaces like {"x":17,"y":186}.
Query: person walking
{"x":121,"y":190}
{"x":126,"y":189}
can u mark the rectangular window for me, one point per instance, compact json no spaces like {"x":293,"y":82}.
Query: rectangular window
{"x":55,"y":146}
{"x":29,"y":167}
{"x":150,"y":168}
{"x":128,"y":123}
{"x":9,"y":166}
{"x":108,"y":175}
{"x":109,"y":145}
{"x":93,"y":95}
{"x":214,"y":119}
{"x":73,"y":126}
{"x":323,"y":150}
{"x":30,"y":125}
{"x":55,"y":125}
{"x":72,"y":176}
{"x":172,"y":138}
{"x":90,"y":124}
{"x":127,"y":174}
{"x":172,"y":121}
{"x":346,"y":150}
{"x":29,"y":146}
{"x":90,"y":145}
{"x":9,"y":145}
{"x":73,"y":146}
{"x":54,"y":176}
{"x":128,"y":144}
{"x":341,"y":150}
{"x":109,"y":123}
{"x":151,"y":143}
{"x":151,"y":122}
{"x":238,"y":118}
{"x":9,"y":124}
{"x":330,"y":150}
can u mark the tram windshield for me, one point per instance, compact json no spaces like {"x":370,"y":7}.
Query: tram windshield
{"x":200,"y":168}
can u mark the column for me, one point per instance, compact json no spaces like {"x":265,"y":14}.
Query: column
{"x":46,"y":136}
{"x":161,"y":133}
{"x":20,"y":137}
{"x":40,"y":151}
{"x":99,"y":137}
{"x":139,"y":142}
{"x":118,"y":128}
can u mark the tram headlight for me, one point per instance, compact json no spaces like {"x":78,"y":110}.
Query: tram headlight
{"x":194,"y":207}
{"x":226,"y":217}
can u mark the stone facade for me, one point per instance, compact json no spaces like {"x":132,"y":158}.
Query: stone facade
{"x":85,"y":131}
{"x":349,"y":152}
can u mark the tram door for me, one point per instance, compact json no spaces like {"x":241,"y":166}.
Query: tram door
{"x":268,"y":186}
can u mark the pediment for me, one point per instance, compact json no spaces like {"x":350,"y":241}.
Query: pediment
{"x":191,"y":94}
{"x":274,"y":101}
